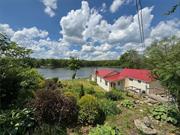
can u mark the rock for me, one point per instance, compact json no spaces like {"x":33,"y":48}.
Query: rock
{"x":143,"y":128}
{"x":151,"y":101}
{"x":147,"y":121}
{"x":141,"y":102}
{"x":136,"y":102}
{"x":141,"y":110}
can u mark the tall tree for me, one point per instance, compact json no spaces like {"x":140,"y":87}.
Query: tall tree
{"x":164,"y":58}
{"x":74,"y":64}
{"x":131,"y":59}
{"x":16,"y":77}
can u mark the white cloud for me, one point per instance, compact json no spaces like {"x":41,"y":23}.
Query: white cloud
{"x":5,"y":28}
{"x":87,"y":35}
{"x":116,"y":4}
{"x":126,"y":28}
{"x":50,"y":7}
{"x":74,"y":24}
{"x":165,"y":29}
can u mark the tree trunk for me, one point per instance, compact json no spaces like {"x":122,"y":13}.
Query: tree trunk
{"x":74,"y":75}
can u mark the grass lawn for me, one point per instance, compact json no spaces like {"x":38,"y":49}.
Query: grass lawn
{"x":87,"y":84}
{"x":125,"y":120}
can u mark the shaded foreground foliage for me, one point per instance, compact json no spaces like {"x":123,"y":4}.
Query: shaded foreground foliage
{"x":17,"y":79}
{"x":17,"y":122}
{"x":52,"y":107}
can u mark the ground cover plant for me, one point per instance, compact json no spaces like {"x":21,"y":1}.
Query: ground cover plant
{"x":127,"y":103}
{"x":114,"y":95}
{"x":109,"y":107}
{"x":105,"y":130}
{"x":166,"y":113}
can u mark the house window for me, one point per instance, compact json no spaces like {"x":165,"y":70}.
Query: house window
{"x":130,"y":79}
{"x":100,"y":80}
{"x":119,"y":83}
{"x":113,"y":84}
{"x":139,"y":81}
{"x":106,"y":83}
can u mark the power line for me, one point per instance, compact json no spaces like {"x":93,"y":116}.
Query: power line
{"x":140,"y":21}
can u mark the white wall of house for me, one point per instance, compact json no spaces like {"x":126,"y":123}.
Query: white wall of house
{"x":119,"y":85}
{"x":93,"y":77}
{"x":143,"y":86}
{"x":103,"y":83}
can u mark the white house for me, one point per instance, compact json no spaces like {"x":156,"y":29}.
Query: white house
{"x":138,"y":80}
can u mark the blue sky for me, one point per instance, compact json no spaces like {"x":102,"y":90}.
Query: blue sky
{"x":95,"y":29}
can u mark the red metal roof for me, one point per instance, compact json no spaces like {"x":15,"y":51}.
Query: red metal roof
{"x":103,"y":72}
{"x":112,"y":75}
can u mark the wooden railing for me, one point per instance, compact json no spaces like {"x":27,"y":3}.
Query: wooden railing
{"x":132,"y":88}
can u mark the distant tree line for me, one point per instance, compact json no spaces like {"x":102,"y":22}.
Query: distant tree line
{"x":64,"y":63}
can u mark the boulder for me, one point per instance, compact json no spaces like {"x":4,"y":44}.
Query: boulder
{"x":145,"y":128}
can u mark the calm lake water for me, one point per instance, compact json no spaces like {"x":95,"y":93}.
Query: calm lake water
{"x":65,"y":74}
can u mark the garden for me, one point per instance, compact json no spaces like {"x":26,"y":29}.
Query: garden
{"x":33,"y":105}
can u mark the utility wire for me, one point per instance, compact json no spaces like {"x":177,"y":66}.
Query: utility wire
{"x":137,"y":10}
{"x":140,"y":21}
{"x":140,"y":5}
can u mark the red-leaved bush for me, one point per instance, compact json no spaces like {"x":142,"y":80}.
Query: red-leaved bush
{"x":53,"y":107}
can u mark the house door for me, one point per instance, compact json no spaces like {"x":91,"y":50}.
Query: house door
{"x":113,"y":85}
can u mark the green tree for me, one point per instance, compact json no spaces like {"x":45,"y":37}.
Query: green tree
{"x":131,"y":59}
{"x":164,"y":58}
{"x":173,"y":9}
{"x":74,"y":64}
{"x":16,"y":77}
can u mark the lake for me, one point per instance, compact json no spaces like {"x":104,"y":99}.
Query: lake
{"x":65,"y":74}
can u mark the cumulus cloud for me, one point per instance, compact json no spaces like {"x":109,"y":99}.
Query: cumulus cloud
{"x":38,"y":40}
{"x":165,"y":29}
{"x":50,"y":7}
{"x":125,"y":29}
{"x":5,"y":28}
{"x":115,"y":5}
{"x":74,"y":24}
{"x":87,"y":35}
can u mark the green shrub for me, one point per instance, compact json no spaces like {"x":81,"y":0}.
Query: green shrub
{"x":16,"y":83}
{"x":114,"y":95}
{"x":70,"y":94}
{"x":104,"y":130}
{"x":166,"y":113}
{"x":90,"y":91}
{"x":46,"y":129}
{"x":93,"y":82}
{"x":128,"y":103}
{"x":52,"y":107}
{"x":81,"y":93}
{"x":90,"y":112}
{"x":55,"y":79}
{"x":17,"y":122}
{"x":100,"y":94}
{"x":109,"y":107}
